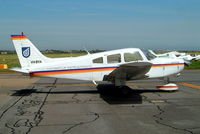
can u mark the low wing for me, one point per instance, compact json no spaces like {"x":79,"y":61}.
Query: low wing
{"x":130,"y":71}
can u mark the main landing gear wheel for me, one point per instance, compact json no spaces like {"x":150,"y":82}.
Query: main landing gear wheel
{"x":125,"y":90}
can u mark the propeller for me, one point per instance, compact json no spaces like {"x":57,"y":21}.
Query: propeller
{"x":187,"y":62}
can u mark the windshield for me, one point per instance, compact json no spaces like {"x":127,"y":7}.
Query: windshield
{"x":148,"y":54}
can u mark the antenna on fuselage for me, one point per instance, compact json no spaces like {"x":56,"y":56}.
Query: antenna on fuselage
{"x":86,"y":50}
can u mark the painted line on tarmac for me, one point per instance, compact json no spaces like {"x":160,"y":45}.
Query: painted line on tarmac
{"x":189,"y":85}
{"x":73,"y":85}
{"x":136,"y":84}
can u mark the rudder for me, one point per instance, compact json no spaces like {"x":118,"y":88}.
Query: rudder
{"x":27,"y":53}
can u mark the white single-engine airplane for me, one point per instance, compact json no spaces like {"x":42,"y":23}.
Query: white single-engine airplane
{"x":174,"y":54}
{"x":117,"y":66}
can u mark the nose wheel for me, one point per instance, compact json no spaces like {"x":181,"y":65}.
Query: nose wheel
{"x":168,"y":86}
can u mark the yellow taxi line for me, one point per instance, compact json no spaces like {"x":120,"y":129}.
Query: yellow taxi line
{"x":189,"y":85}
{"x":137,"y":84}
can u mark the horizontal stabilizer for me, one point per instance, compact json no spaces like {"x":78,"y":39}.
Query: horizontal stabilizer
{"x":19,"y":70}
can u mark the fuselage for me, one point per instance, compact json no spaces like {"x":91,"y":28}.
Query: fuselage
{"x":96,"y":66}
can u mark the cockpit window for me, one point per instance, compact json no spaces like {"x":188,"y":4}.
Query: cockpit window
{"x":148,"y":54}
{"x":115,"y":58}
{"x":135,"y":56}
{"x":98,"y":60}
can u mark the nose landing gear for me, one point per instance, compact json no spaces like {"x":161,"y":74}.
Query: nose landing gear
{"x":168,"y":86}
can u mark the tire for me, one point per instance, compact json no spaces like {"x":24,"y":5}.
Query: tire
{"x":124,"y":90}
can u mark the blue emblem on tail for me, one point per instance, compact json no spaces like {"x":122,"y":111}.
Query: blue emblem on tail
{"x":26,"y":52}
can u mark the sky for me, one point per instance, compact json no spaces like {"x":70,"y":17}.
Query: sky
{"x":102,"y":24}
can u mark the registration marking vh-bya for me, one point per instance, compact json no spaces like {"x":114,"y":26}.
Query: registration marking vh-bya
{"x":116,"y":66}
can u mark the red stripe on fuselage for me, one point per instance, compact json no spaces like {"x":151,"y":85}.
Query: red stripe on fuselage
{"x":167,"y":65}
{"x":57,"y":72}
{"x":70,"y":71}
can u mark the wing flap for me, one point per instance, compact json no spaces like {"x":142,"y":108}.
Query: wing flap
{"x":130,"y":71}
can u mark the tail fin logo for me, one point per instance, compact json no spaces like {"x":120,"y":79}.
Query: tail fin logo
{"x":26,"y":52}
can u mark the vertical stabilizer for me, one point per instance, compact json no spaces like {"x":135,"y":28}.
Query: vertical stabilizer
{"x":27,"y":53}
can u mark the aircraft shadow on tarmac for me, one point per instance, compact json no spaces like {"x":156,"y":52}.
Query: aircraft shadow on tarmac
{"x":108,"y":92}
